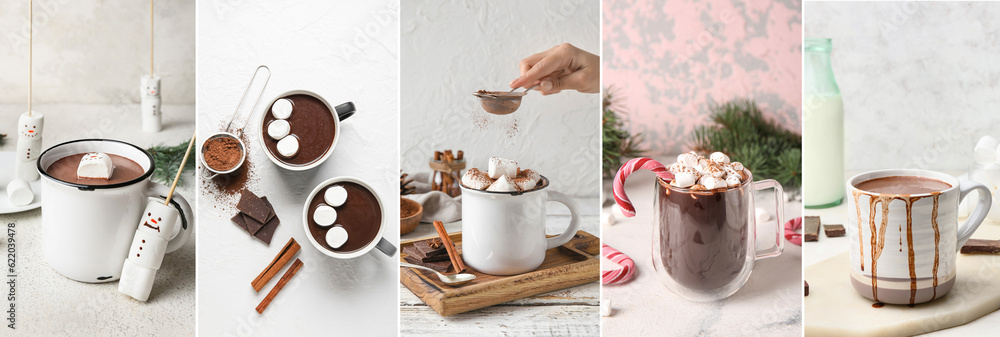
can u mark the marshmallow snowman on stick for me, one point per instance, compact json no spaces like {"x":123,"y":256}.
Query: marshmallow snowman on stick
{"x":152,"y":119}
{"x":29,"y":146}
{"x":150,"y":243}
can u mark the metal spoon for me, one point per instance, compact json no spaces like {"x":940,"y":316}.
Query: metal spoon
{"x":500,"y":102}
{"x":450,"y":280}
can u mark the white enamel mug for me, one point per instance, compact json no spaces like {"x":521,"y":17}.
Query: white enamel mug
{"x":903,"y":247}
{"x":87,"y":229}
{"x":503,"y":233}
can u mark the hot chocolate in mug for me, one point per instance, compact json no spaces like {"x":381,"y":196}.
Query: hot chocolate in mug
{"x":87,"y":228}
{"x":904,"y":233}
{"x":503,"y":233}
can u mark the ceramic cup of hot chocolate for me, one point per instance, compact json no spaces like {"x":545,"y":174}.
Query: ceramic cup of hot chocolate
{"x":312,"y":124}
{"x":503,"y":233}
{"x":88,"y":224}
{"x":904,"y":233}
{"x":360,"y":214}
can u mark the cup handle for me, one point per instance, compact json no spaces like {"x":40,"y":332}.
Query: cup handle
{"x":978,"y":215}
{"x":345,"y":110}
{"x":187,"y":216}
{"x":779,"y":205}
{"x":386,"y":247}
{"x":574,"y":222}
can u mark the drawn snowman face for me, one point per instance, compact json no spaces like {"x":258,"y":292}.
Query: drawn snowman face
{"x":29,"y":127}
{"x":151,"y":221}
{"x":150,"y":86}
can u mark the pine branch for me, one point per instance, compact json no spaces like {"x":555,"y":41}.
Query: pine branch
{"x":617,"y":143}
{"x":168,"y":160}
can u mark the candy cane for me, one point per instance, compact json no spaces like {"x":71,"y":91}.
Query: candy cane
{"x":627,"y":169}
{"x":620,"y":275}
{"x":790,"y":234}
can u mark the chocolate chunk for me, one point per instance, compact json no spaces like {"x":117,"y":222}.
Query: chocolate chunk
{"x":267,"y":232}
{"x":252,"y":206}
{"x":807,"y":286}
{"x":441,"y":267}
{"x":811,"y":228}
{"x":238,"y":220}
{"x":416,"y":253}
{"x":833,"y":231}
{"x":424,"y":246}
{"x":270,"y":214}
{"x":977,"y":246}
{"x":253,"y":226}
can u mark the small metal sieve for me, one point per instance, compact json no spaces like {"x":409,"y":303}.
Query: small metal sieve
{"x":234,"y":134}
{"x":501,"y":102}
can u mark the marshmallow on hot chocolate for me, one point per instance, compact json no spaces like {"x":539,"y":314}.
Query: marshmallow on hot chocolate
{"x":526,"y":179}
{"x":685,"y":178}
{"x":278,"y":129}
{"x":335,"y":195}
{"x":502,"y":184}
{"x":96,"y":165}
{"x":712,"y":183}
{"x":714,"y":170}
{"x":282,"y":108}
{"x":733,"y":180}
{"x":698,"y":173}
{"x":19,"y":193}
{"x":502,"y":166}
{"x":719,"y":157}
{"x":476,"y":179}
{"x":288,"y":146}
{"x":336,"y":237}
{"x":324,"y":215}
{"x":689,"y":159}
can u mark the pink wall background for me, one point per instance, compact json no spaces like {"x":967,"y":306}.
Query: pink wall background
{"x":668,"y":59}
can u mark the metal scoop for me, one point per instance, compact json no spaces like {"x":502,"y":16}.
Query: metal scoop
{"x":501,"y":102}
{"x":227,"y":133}
{"x":450,"y":280}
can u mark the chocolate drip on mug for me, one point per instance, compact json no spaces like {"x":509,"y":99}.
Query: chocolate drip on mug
{"x":861,"y":244}
{"x":910,"y":254}
{"x":937,"y":239}
{"x":878,"y":241}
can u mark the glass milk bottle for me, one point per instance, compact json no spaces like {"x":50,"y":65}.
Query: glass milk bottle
{"x":823,"y":129}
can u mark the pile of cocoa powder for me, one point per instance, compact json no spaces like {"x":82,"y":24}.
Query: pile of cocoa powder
{"x":408,"y":209}
{"x":222,"y":153}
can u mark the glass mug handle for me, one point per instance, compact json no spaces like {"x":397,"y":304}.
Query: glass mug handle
{"x":779,"y":195}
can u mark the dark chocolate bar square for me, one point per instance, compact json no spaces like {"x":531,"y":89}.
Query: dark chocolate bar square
{"x":267,"y":232}
{"x":238,"y":220}
{"x":252,"y":206}
{"x":810,"y":227}
{"x":424,"y":246}
{"x":441,"y":267}
{"x":270,"y":213}
{"x":979,"y":246}
{"x":253,"y":226}
{"x":833,"y":231}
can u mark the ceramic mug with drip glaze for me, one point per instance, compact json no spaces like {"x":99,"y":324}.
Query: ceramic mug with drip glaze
{"x":903,"y":246}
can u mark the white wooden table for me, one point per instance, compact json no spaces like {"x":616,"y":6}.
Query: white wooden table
{"x":50,"y":304}
{"x":573,"y":311}
{"x":826,"y":248}
{"x":770,"y":303}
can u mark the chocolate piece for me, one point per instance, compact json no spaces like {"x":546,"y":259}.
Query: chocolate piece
{"x":807,"y":286}
{"x":833,"y":231}
{"x":270,"y":208}
{"x":416,"y":253}
{"x":978,"y":246}
{"x":238,"y":220}
{"x":424,"y":246}
{"x":252,"y":206}
{"x":253,"y":226}
{"x":811,"y":229}
{"x":441,"y":267}
{"x":267,"y":232}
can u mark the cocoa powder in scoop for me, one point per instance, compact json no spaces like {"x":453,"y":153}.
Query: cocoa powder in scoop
{"x":222,"y":153}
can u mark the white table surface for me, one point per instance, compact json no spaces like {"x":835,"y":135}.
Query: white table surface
{"x":770,"y":303}
{"x":50,"y":304}
{"x":826,"y":248}
{"x":572,"y":311}
{"x":307,"y":45}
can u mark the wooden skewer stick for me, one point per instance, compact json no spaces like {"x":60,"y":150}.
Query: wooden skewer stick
{"x":150,"y":38}
{"x":181,"y":169}
{"x":31,"y":18}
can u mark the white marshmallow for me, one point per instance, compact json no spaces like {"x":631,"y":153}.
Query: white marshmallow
{"x":502,"y":166}
{"x":278,"y":129}
{"x":476,"y":179}
{"x":737,"y":166}
{"x":324,"y":215}
{"x":335,"y":195}
{"x":714,"y":170}
{"x":985,"y":151}
{"x":761,"y":215}
{"x":288,"y":146}
{"x":527,"y":179}
{"x":96,"y":165}
{"x":689,"y":159}
{"x":136,"y":281}
{"x":503,"y":184}
{"x":606,"y":307}
{"x":719,"y":157}
{"x":19,"y":193}
{"x":676,"y":167}
{"x":336,"y":237}
{"x":147,"y":249}
{"x":712,"y":183}
{"x":607,"y":218}
{"x":733,"y":180}
{"x":282,"y":108}
{"x":685,"y":179}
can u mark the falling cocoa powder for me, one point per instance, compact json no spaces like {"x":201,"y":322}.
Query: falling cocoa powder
{"x":222,"y":153}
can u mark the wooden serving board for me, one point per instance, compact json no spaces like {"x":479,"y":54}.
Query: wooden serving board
{"x":833,"y":308}
{"x":571,"y":264}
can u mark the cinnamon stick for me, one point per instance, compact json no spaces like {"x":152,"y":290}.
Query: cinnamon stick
{"x":284,"y":255}
{"x":456,"y":260}
{"x":461,"y":155}
{"x":281,"y":284}
{"x":437,"y":155}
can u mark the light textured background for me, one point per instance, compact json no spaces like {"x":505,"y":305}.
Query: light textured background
{"x":919,"y":79}
{"x":450,"y":49}
{"x":669,"y":59}
{"x":95,"y":51}
{"x":343,"y":51}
